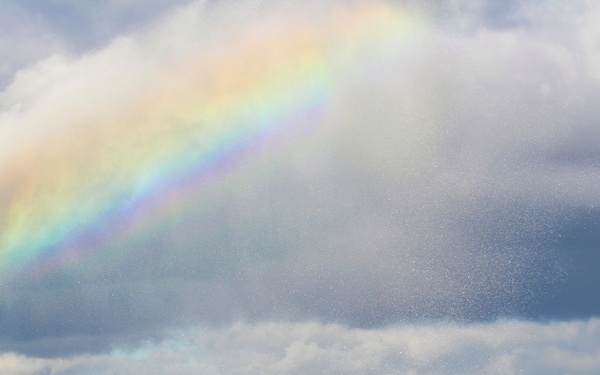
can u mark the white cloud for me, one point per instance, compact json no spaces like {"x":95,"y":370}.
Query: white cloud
{"x":24,"y":39}
{"x":31,"y":32}
{"x":504,"y":347}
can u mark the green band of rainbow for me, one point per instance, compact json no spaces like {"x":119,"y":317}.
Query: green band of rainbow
{"x":78,"y":186}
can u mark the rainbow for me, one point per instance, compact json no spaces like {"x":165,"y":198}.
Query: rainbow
{"x":93,"y":183}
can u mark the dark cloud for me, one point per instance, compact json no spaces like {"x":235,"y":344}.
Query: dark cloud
{"x":578,"y":244}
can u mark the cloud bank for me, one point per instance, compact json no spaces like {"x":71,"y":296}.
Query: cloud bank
{"x":442,"y":166}
{"x":505,"y":347}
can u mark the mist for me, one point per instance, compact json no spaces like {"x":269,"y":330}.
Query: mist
{"x":441,"y":173}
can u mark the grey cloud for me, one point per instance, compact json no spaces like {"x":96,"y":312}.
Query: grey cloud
{"x":89,"y":25}
{"x":438,"y":193}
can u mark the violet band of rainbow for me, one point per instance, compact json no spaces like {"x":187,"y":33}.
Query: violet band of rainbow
{"x":81,"y":185}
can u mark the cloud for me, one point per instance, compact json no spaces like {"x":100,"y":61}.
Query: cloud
{"x":87,"y":26}
{"x":32,"y":32}
{"x":24,"y":39}
{"x":444,"y":167}
{"x":504,"y":347}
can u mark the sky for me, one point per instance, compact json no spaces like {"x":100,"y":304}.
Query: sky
{"x":299,"y":187}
